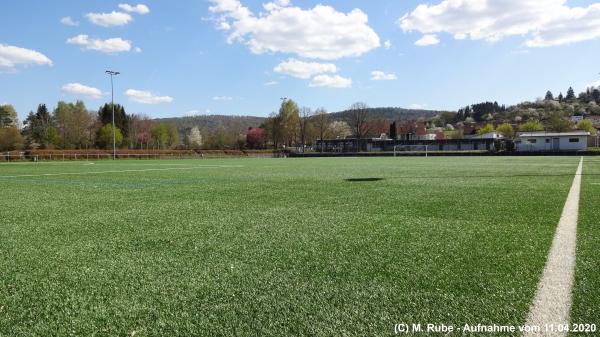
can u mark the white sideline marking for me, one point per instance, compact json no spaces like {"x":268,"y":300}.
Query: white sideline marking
{"x":552,"y":302}
{"x":120,"y":171}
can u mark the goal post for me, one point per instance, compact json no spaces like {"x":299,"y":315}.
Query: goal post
{"x":399,"y":149}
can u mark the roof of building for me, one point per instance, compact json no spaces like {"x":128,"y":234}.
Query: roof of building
{"x":554,"y":134}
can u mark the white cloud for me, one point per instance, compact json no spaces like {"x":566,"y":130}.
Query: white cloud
{"x":270,"y":83}
{"x":67,"y":20}
{"x":593,"y":85}
{"x":334,"y":81}
{"x":137,"y":49}
{"x":146,"y":97}
{"x":111,"y":19}
{"x":318,"y":33}
{"x":109,"y":46}
{"x":12,"y":56}
{"x":427,"y":40}
{"x":378,"y":75}
{"x":82,"y":90}
{"x":138,"y":9}
{"x":387,"y":44}
{"x":417,"y":106}
{"x":222,"y":98}
{"x":304,"y":70}
{"x":544,"y":23}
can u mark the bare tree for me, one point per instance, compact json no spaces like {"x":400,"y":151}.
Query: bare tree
{"x":322,"y":120}
{"x":358,"y":119}
{"x":304,"y":124}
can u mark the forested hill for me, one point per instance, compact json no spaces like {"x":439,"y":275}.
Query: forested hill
{"x":210,"y":123}
{"x":239,"y":124}
{"x":392,"y":114}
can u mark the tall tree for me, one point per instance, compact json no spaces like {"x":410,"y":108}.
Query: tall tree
{"x":8,"y":116}
{"x":75,"y":125}
{"x":322,"y":122}
{"x":570,"y":95}
{"x":304,"y":125}
{"x":139,"y":128}
{"x":164,"y":135}
{"x":394,"y":130}
{"x":43,"y":123}
{"x":358,"y":119}
{"x":340,"y":129}
{"x":596,"y":96}
{"x":194,"y":138}
{"x":255,"y":138}
{"x":105,"y":136}
{"x":588,"y":126}
{"x":121,"y":118}
{"x":549,"y":96}
{"x":556,"y":123}
{"x":10,"y":139}
{"x":289,"y":114}
{"x":561,"y":98}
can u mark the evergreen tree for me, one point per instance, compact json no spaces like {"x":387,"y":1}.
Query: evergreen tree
{"x":561,"y":98}
{"x":121,"y":118}
{"x":549,"y":96}
{"x":596,"y":96}
{"x":393,"y":130}
{"x":570,"y":94}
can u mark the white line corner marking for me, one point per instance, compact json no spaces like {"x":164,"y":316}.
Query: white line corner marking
{"x":552,"y":302}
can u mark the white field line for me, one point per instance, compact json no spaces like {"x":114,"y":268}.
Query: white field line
{"x":120,"y":171}
{"x":552,"y":302}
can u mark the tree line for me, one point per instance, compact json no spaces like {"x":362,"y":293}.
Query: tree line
{"x":73,"y":126}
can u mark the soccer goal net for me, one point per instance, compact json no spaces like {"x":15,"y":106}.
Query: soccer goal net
{"x":400,"y":149}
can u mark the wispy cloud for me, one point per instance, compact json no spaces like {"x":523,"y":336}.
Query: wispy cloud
{"x":111,"y":19}
{"x":146,"y":97}
{"x":138,"y":9}
{"x":379,"y":75}
{"x":67,"y":20}
{"x":79,"y":89}
{"x":108,"y":46}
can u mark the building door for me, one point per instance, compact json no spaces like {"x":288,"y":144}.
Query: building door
{"x":555,"y":144}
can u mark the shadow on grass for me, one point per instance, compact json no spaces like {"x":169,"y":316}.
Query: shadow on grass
{"x":358,"y":180}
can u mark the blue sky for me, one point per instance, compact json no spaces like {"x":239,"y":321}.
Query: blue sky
{"x":239,"y":57}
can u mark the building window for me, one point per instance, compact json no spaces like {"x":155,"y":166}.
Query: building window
{"x":547,"y":140}
{"x":573,"y":140}
{"x":532,"y":141}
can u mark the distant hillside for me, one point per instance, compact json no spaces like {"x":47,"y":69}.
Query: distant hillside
{"x":210,"y":123}
{"x":239,"y":124}
{"x":391,"y":114}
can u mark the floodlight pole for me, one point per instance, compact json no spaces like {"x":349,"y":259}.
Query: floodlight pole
{"x":112,"y":103}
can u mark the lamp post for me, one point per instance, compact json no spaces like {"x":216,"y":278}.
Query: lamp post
{"x":112,"y":103}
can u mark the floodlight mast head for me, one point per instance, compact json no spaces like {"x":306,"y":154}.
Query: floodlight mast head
{"x":112,"y":102}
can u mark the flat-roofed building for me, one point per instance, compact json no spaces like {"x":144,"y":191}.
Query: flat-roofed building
{"x":552,"y":141}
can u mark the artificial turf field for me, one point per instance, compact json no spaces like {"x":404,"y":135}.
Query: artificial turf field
{"x":274,"y":247}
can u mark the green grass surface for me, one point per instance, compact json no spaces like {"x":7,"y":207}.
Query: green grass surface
{"x":586,"y":298}
{"x":277,"y":246}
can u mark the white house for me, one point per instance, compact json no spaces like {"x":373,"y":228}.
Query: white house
{"x":552,"y":141}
